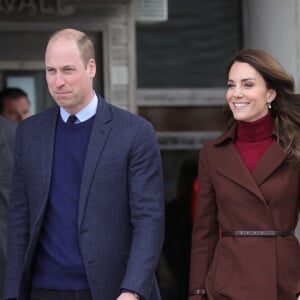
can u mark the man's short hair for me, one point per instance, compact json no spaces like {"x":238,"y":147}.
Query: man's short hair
{"x":11,"y":93}
{"x":84,"y":43}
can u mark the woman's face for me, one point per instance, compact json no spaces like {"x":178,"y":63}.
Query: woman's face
{"x":247,"y":94}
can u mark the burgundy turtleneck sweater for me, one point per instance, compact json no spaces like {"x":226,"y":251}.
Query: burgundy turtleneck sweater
{"x":253,"y":139}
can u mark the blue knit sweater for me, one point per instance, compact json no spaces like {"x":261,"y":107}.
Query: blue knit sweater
{"x":58,"y":263}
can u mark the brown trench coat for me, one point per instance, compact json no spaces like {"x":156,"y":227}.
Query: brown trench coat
{"x":231,"y":198}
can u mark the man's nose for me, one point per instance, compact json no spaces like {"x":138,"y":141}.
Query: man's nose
{"x":59,"y":80}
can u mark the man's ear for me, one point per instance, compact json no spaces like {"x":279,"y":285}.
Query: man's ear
{"x":92,"y":67}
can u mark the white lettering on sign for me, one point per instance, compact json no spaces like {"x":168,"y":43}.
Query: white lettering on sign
{"x":34,"y":7}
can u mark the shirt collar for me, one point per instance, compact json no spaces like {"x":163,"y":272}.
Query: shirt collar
{"x":84,"y":114}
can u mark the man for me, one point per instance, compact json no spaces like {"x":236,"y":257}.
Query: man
{"x":86,"y":216}
{"x":14,"y":104}
{"x":7,"y":135}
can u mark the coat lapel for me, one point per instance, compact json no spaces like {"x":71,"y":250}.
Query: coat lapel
{"x":100,"y":132}
{"x":47,"y":147}
{"x":270,"y":161}
{"x":231,"y":166}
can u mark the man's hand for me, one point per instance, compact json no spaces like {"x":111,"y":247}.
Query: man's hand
{"x":128,"y":296}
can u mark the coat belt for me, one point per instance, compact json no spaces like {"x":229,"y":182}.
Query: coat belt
{"x":256,"y":233}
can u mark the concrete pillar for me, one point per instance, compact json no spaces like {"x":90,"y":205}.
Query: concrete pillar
{"x":274,"y":26}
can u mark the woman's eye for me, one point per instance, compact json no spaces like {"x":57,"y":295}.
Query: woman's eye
{"x":248,"y":84}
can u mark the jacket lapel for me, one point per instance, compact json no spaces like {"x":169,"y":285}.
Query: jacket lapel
{"x":100,"y":132}
{"x":270,"y":161}
{"x":231,"y":166}
{"x":47,"y":147}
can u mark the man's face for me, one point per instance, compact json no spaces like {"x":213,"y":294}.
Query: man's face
{"x":70,"y":82}
{"x":16,"y":109}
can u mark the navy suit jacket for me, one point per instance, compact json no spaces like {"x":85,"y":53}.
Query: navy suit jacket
{"x":121,"y":208}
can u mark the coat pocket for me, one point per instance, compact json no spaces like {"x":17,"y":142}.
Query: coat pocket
{"x":221,"y":270}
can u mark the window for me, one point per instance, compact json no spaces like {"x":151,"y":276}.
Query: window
{"x":192,"y":49}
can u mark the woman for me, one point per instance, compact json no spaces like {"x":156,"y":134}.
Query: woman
{"x":243,"y":245}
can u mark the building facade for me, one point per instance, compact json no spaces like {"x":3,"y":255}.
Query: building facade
{"x":165,"y":60}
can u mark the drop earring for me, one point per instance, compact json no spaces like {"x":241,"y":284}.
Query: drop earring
{"x":269,"y":105}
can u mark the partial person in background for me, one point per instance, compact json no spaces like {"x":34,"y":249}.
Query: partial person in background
{"x":177,"y":245}
{"x":249,"y":188}
{"x":14,"y":104}
{"x":86,"y":213}
{"x":7,"y":136}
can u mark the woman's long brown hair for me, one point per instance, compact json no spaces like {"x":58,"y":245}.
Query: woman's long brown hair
{"x":285,"y":107}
